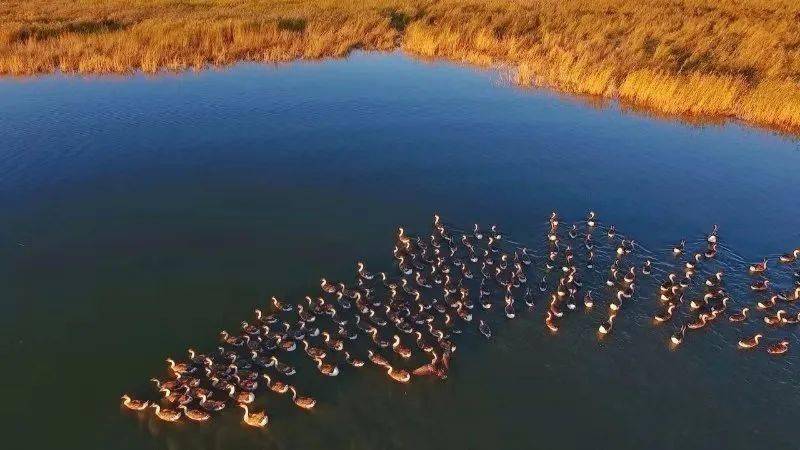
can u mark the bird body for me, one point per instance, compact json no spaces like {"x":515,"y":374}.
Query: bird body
{"x":255,"y":419}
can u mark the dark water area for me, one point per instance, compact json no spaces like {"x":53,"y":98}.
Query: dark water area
{"x":139,"y":216}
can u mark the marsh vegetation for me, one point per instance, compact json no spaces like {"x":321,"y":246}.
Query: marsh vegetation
{"x":728,"y":58}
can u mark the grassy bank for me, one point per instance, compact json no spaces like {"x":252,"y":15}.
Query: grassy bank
{"x":725,"y":58}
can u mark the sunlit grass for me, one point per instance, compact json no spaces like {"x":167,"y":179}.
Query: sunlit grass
{"x":729,"y":58}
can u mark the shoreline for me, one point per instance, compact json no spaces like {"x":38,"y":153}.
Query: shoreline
{"x":747,"y":71}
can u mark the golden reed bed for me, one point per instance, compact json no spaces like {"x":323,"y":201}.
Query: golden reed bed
{"x":721,"y":58}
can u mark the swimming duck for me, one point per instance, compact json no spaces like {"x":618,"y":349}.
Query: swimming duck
{"x":429,"y":368}
{"x":669,"y":283}
{"x":242,"y":396}
{"x":287,"y":345}
{"x":590,"y":219}
{"x":283,"y":368}
{"x":790,"y":257}
{"x":401,"y":350}
{"x":677,"y":337}
{"x":606,"y":326}
{"x":691,"y":264}
{"x":714,"y":280}
{"x":347,"y":332}
{"x":696,"y":304}
{"x":377,"y":359}
{"x":362,"y":272}
{"x":758,"y":267}
{"x":313,"y":352}
{"x":196,"y":358}
{"x":509,"y":309}
{"x":181,"y":368}
{"x":766,"y":304}
{"x":647,"y":268}
{"x":136,"y":405}
{"x":554,"y":307}
{"x":712,"y":237}
{"x":333,"y":344}
{"x":326,"y":369}
{"x":739,"y":316}
{"x":277,"y":386}
{"x":759,"y":285}
{"x":211,"y":405}
{"x":553,"y":220}
{"x":399,"y":375}
{"x":256,"y":419}
{"x":775,"y":320}
{"x":549,"y":321}
{"x":176,"y":397}
{"x":477,"y":232}
{"x":166,"y":414}
{"x":751,"y":341}
{"x":700,"y":322}
{"x":678,"y":249}
{"x":630,"y":276}
{"x":304,"y":315}
{"x":355,"y":362}
{"x":529,"y":300}
{"x":664,"y":315}
{"x":195,"y":415}
{"x":281,"y":306}
{"x":779,"y":347}
{"x":613,"y":278}
{"x":401,"y":236}
{"x":169,"y":384}
{"x":378,"y":340}
{"x":302,"y":402}
{"x":615,"y":303}
{"x":588,"y":301}
{"x":791,"y":319}
{"x":327,"y":286}
{"x":570,"y":303}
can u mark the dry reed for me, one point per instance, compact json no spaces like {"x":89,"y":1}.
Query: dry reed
{"x":722,"y":58}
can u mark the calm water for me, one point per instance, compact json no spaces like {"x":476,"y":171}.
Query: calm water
{"x":142,"y":215}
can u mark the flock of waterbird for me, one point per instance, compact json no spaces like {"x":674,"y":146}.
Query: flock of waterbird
{"x":404,"y":323}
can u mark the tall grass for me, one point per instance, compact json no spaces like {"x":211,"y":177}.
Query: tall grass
{"x":723,"y":58}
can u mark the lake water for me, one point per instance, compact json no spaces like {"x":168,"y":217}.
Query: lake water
{"x":141,"y":215}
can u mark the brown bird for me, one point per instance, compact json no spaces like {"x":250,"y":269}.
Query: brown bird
{"x":739,"y":316}
{"x":751,"y":341}
{"x":167,"y":415}
{"x":195,"y":415}
{"x":303,"y":402}
{"x":779,"y":347}
{"x":256,"y":419}
{"x":136,"y":405}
